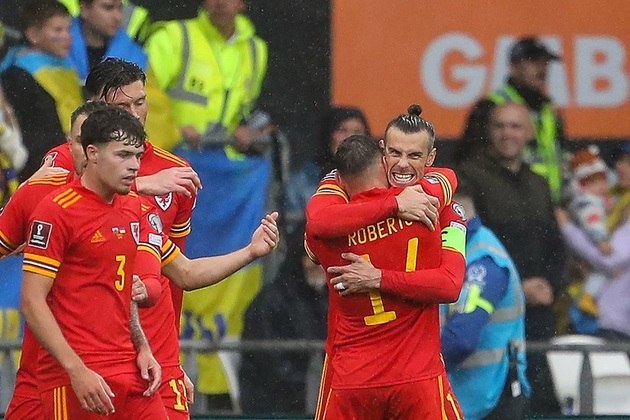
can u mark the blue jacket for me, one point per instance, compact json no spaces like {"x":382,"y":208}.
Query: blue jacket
{"x":120,"y":45}
{"x":478,"y":328}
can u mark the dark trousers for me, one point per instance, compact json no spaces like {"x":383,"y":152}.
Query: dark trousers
{"x":510,"y":407}
{"x":540,"y":325}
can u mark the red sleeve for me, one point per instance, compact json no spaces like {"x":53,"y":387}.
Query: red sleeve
{"x":181,"y":225}
{"x":13,"y":223}
{"x":61,"y":157}
{"x":440,"y":183}
{"x":148,"y":257}
{"x":329,"y":214}
{"x":435,"y":285}
{"x":46,"y":241}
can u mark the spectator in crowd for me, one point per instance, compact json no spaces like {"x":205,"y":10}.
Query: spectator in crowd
{"x":293,"y":306}
{"x":340,"y":122}
{"x":39,"y":81}
{"x":589,"y":204}
{"x":212,"y":67}
{"x":515,"y":203}
{"x":98,"y":33}
{"x":529,"y":64}
{"x":621,"y":191}
{"x":612,"y":302}
{"x":136,"y":19}
{"x":13,"y":154}
{"x":488,"y":318}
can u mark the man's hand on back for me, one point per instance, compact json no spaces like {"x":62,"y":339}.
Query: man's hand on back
{"x":360,"y":276}
{"x":417,"y":206}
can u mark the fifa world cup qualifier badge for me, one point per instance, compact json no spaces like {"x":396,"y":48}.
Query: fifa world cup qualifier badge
{"x":40,"y":234}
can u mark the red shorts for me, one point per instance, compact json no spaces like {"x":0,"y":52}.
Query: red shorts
{"x":324,"y":389}
{"x":427,"y":399}
{"x":24,"y":407}
{"x":61,"y":403}
{"x":175,"y":399}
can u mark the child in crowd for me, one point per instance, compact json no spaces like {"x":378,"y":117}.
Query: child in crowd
{"x":589,"y":207}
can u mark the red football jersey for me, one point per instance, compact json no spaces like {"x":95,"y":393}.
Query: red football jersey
{"x":154,"y":319}
{"x":389,"y":338}
{"x":89,"y":247}
{"x":61,"y":157}
{"x":381,"y":339}
{"x":330,"y":199}
{"x":175,"y":209}
{"x":17,"y":212}
{"x":14,"y":223}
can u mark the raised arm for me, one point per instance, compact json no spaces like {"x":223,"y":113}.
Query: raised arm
{"x":329,"y":213}
{"x":202,"y":272}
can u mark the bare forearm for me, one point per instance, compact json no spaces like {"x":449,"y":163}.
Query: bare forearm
{"x":45,"y":327}
{"x":202,"y":272}
{"x":138,"y":337}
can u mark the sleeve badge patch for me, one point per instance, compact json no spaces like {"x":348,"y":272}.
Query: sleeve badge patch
{"x":40,"y":234}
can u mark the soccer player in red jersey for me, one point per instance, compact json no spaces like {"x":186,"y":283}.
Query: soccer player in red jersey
{"x":76,"y":290}
{"x":187,"y":274}
{"x":122,"y":83}
{"x":384,"y":348}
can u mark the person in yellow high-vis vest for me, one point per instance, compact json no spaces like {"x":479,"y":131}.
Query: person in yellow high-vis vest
{"x":529,"y":62}
{"x":212,"y":67}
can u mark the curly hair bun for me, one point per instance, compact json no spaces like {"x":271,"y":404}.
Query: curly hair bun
{"x":414,"y":109}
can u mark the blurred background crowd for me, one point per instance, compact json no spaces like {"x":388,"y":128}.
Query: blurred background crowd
{"x":245,"y":91}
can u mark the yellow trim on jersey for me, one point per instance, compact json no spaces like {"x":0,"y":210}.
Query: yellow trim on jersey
{"x":441,"y":388}
{"x":132,"y":194}
{"x":447,"y":188}
{"x":169,"y":252}
{"x":169,"y":156}
{"x":37,"y":270}
{"x":310,"y":253}
{"x":60,"y":403}
{"x":42,"y":259}
{"x":67,"y":198}
{"x":39,"y":264}
{"x":180,"y":230}
{"x":150,"y":249}
{"x":50,"y":180}
{"x":332,"y":189}
{"x":144,"y":207}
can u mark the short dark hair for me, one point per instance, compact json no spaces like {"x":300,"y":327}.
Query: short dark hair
{"x":110,"y":75}
{"x":86,"y":109}
{"x":37,"y":12}
{"x":355,"y":154}
{"x":412,"y":122}
{"x":332,"y":120}
{"x":109,"y":124}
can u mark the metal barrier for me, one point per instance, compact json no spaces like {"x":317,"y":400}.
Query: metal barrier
{"x":192,"y":347}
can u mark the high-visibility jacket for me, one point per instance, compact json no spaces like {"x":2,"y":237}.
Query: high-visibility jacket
{"x":545,"y":158}
{"x":212,"y":82}
{"x":489,"y":363}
